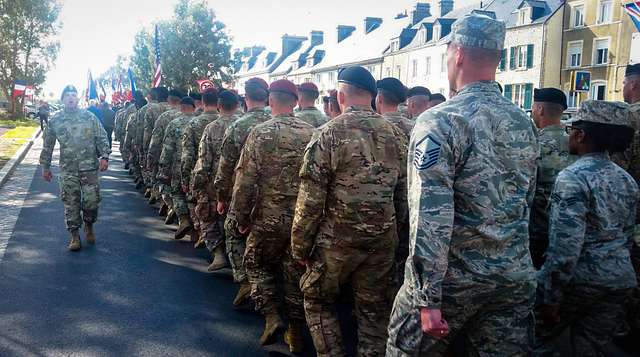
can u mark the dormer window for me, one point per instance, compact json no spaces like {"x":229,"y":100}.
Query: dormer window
{"x":437,"y":30}
{"x":310,"y":61}
{"x":295,"y":66}
{"x":395,"y":45}
{"x":524,"y":16}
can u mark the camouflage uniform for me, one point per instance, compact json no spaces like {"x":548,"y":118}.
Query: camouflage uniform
{"x":473,"y":158}
{"x":230,"y":150}
{"x":121,"y":122}
{"x":401,"y":121}
{"x":312,"y":116}
{"x":129,"y":143}
{"x":190,"y":142}
{"x":155,"y":149}
{"x":554,"y":157}
{"x":82,"y":140}
{"x":126,"y":117}
{"x":264,"y":198}
{"x":352,"y":189}
{"x":169,"y":163}
{"x":212,"y":224}
{"x":154,"y":110}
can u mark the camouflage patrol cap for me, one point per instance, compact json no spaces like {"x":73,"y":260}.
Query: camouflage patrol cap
{"x":68,"y":89}
{"x":603,"y":112}
{"x":479,"y":31}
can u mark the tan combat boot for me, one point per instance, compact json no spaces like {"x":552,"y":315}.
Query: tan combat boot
{"x":90,"y":235}
{"x":195,"y":236}
{"x":273,"y":324}
{"x":74,"y":243}
{"x":171,"y":217}
{"x":152,"y":200}
{"x":294,"y":336}
{"x":184,"y":226}
{"x":243,"y":294}
{"x":219,"y":260}
{"x":200,"y":243}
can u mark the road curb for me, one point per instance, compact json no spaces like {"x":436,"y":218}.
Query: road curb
{"x":17,"y":158}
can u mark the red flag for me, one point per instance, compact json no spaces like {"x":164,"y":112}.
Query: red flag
{"x":204,"y":84}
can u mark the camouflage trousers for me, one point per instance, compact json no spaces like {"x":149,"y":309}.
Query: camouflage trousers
{"x":80,"y":194}
{"x":494,"y":320}
{"x":592,"y":316}
{"x":633,"y":301}
{"x":211,"y":224}
{"x":179,"y":199}
{"x":235,"y":243}
{"x":369,"y":270}
{"x":268,"y":254}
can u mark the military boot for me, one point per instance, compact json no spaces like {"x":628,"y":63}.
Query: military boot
{"x":294,"y":336}
{"x":171,"y":217}
{"x":152,"y":199}
{"x":74,"y":243}
{"x":219,"y":260}
{"x":89,"y":234}
{"x":184,"y":226}
{"x":243,"y":294}
{"x":164,"y":209}
{"x":126,"y":166}
{"x":147,"y":193}
{"x":195,"y":236}
{"x":200,"y":243}
{"x":273,"y":324}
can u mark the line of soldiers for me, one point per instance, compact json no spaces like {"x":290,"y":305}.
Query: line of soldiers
{"x":432,"y":216}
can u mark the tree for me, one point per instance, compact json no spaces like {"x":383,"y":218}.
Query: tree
{"x":193,"y":45}
{"x":28,"y":43}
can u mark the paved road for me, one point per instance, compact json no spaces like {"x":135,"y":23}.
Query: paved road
{"x":137,"y":293}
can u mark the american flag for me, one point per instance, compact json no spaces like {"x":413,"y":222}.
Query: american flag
{"x":157,"y":77}
{"x":633,"y":9}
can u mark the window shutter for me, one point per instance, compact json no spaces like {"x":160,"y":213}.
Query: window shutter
{"x":512,"y":58}
{"x":503,"y":59}
{"x":528,"y":93}
{"x":529,"y":56}
{"x":507,"y":91}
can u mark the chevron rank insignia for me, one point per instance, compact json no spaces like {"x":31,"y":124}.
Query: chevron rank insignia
{"x":427,"y":153}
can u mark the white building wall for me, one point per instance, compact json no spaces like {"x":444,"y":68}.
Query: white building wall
{"x":522,"y":36}
{"x":436,"y":79}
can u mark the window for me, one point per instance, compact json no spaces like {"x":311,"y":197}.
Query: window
{"x":577,"y":16}
{"x":574,"y":54}
{"x":443,"y":63}
{"x":428,"y":66}
{"x":503,"y":60}
{"x":398,"y":71}
{"x":601,"y":51}
{"x":521,"y":57}
{"x":573,"y":100}
{"x":318,"y":78}
{"x":605,"y":12}
{"x":520,"y":94}
{"x":598,"y":90}
{"x":332,"y":77}
{"x":436,"y":33}
{"x":522,"y":16}
{"x":387,"y":72}
{"x":414,"y":68}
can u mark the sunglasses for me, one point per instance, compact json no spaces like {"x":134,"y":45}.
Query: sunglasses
{"x":568,"y":128}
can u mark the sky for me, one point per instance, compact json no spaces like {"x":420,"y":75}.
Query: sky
{"x":95,"y":32}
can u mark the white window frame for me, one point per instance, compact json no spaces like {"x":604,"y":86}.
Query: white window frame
{"x":436,"y":32}
{"x":521,"y":57}
{"x":332,"y":77}
{"x":518,"y":92}
{"x":594,"y":54}
{"x":581,"y":42}
{"x":427,"y":66}
{"x":573,"y":99}
{"x":443,"y":63}
{"x":523,"y":19}
{"x":599,"y":13}
{"x":414,"y":68}
{"x":593,"y":90}
{"x":573,"y":14}
{"x":398,"y":71}
{"x":387,"y":72}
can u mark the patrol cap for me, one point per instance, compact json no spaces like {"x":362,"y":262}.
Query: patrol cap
{"x":632,"y":69}
{"x":358,"y":76}
{"x":175,"y":93}
{"x":284,"y":86}
{"x":479,"y":31}
{"x":188,"y":101}
{"x":550,"y":95}
{"x":418,"y":90}
{"x":68,"y":89}
{"x":603,"y":112}
{"x":258,"y":82}
{"x":308,"y":87}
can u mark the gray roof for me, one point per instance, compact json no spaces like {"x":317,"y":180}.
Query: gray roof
{"x":506,"y":10}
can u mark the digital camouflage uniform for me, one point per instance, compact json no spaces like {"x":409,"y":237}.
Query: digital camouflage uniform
{"x":264,"y":198}
{"x":82,"y":141}
{"x":138,"y":140}
{"x":153,"y":112}
{"x":554,"y":157}
{"x":129,"y":143}
{"x":169,"y":163}
{"x":230,"y":151}
{"x":212,"y":224}
{"x":353,"y":186}
{"x":155,"y":149}
{"x":469,"y":259}
{"x":121,"y":122}
{"x":401,"y":121}
{"x":312,"y":116}
{"x":588,"y":270}
{"x":124,"y":147}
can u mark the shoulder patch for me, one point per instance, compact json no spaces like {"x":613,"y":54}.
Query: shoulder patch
{"x":427,"y":153}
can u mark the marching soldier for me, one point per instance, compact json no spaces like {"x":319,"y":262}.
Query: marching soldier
{"x":471,"y":183}
{"x":308,"y":93}
{"x":256,"y":95}
{"x":264,"y":198}
{"x":129,"y":142}
{"x":352,"y":190}
{"x":84,"y":149}
{"x":151,"y":116}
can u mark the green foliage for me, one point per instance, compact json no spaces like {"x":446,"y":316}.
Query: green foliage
{"x":28,"y":43}
{"x":193,"y":45}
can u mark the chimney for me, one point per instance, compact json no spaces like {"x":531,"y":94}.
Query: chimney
{"x":444,"y":7}
{"x":344,"y":31}
{"x":291,"y":43}
{"x":372,"y":23}
{"x":420,"y":12}
{"x":317,"y":38}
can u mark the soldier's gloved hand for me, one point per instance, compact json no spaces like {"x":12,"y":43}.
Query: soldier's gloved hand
{"x":47,"y":175}
{"x":220,"y":207}
{"x":550,"y":314}
{"x":104,"y":164}
{"x":432,"y":323}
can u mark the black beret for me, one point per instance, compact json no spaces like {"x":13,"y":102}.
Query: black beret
{"x":68,"y":89}
{"x":418,"y":91}
{"x":632,"y":69}
{"x":188,"y":101}
{"x":175,"y":93}
{"x":228,"y":97}
{"x":162,"y":92}
{"x":550,"y":95}
{"x":195,"y":96}
{"x":393,"y":86}
{"x":358,"y":77}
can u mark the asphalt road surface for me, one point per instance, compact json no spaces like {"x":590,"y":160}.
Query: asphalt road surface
{"x":136,"y":293}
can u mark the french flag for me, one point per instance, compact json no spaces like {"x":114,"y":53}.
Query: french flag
{"x":633,"y":9}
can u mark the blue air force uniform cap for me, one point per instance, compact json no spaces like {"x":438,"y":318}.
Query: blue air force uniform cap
{"x":393,"y":86}
{"x":479,"y":31}
{"x":358,"y":76}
